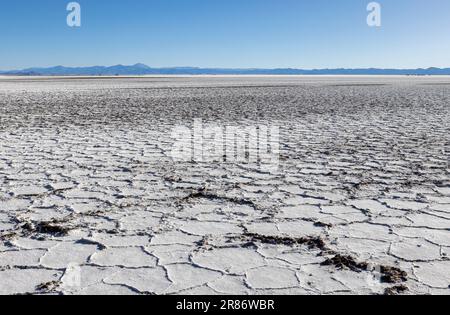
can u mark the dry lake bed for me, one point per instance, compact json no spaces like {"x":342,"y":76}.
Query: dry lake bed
{"x":356,"y":199}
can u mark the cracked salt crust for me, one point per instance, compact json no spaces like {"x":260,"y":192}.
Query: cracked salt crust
{"x":92,"y":203}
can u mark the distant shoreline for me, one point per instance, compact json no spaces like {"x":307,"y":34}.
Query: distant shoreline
{"x":92,"y":77}
{"x":12,"y":76}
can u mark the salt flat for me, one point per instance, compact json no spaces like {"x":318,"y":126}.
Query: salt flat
{"x":92,"y":201}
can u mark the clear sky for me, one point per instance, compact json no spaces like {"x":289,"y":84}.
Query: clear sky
{"x":226,"y":33}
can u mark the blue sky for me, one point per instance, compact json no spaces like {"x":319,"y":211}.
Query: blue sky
{"x":226,"y":33}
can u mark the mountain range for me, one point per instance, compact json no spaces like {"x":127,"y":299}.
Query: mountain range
{"x":142,"y":69}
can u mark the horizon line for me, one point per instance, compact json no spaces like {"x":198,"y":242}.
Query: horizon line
{"x":228,"y":68}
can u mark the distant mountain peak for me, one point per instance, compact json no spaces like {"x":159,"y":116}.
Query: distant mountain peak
{"x":143,"y":69}
{"x":141,"y":65}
